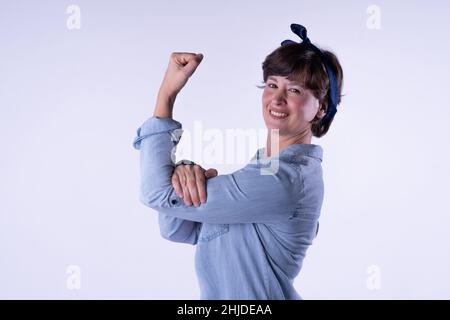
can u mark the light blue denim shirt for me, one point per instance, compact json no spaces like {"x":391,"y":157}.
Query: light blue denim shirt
{"x":253,"y":232}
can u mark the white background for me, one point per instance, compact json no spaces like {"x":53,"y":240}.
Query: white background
{"x":71,"y":101}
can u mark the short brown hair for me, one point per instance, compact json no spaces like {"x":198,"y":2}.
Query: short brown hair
{"x":300,"y":62}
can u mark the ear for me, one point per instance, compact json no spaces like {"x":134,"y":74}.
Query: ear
{"x":321,"y":113}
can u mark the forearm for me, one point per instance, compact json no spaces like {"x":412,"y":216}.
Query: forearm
{"x":181,"y":67}
{"x":164,"y":104}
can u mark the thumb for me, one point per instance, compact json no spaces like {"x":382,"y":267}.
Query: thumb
{"x":211,"y":173}
{"x":193,"y":64}
{"x":199,"y":57}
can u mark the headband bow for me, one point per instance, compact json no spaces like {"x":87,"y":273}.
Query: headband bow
{"x":334,"y":91}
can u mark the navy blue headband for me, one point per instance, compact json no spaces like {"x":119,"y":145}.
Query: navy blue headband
{"x":334,"y":91}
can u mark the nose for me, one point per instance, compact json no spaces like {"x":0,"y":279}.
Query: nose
{"x":278,"y":98}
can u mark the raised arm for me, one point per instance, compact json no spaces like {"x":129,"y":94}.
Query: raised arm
{"x":181,"y":67}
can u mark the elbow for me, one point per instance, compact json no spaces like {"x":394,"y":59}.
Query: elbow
{"x":179,"y":237}
{"x":171,"y":237}
{"x":152,"y":198}
{"x":159,"y":198}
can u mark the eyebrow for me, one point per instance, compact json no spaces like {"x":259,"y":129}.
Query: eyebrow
{"x":290,"y":81}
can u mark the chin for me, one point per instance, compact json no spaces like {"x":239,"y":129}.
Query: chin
{"x":281,"y":130}
{"x":272,"y":126}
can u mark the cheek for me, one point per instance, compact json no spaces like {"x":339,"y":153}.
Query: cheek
{"x":310,"y":104}
{"x":311,"y":109}
{"x":305,"y":109}
{"x":265,"y":98}
{"x":296,"y":106}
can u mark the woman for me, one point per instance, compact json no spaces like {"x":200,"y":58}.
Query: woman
{"x":253,"y":230}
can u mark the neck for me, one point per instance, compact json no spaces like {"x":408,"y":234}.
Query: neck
{"x":303,"y":137}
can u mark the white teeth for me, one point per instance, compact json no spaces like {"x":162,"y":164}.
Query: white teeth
{"x":278,"y":114}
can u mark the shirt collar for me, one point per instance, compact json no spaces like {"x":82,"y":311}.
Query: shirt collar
{"x":292,"y":152}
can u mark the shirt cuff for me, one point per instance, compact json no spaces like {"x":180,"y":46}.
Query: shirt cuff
{"x":156,"y":125}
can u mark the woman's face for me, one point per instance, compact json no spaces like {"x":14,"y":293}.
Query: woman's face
{"x":295,"y":106}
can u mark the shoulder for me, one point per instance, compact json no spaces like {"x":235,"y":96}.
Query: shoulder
{"x":308,"y":167}
{"x":271,"y":176}
{"x":306,"y":159}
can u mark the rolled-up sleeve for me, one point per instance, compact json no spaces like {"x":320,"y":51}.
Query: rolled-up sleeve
{"x":244,"y":196}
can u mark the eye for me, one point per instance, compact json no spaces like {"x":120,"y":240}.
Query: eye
{"x":295,"y":90}
{"x":272,"y":85}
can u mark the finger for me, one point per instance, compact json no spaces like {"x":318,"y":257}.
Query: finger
{"x":211,"y":173}
{"x":176,"y":185}
{"x":186,"y":195}
{"x":179,"y":170}
{"x":190,"y":62}
{"x":192,"y":185}
{"x":183,"y":56}
{"x":200,"y":180}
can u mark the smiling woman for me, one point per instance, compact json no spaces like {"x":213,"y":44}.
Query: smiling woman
{"x":296,"y":73}
{"x":253,"y":230}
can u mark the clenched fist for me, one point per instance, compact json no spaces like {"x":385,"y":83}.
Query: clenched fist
{"x":181,"y":66}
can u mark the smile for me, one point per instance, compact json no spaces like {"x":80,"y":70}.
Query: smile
{"x":278,"y":115}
